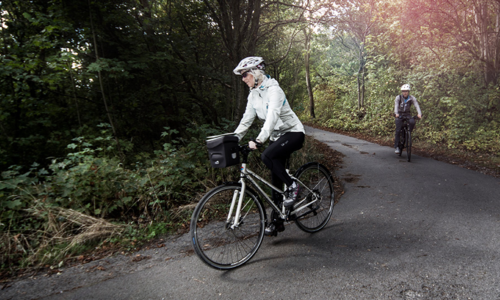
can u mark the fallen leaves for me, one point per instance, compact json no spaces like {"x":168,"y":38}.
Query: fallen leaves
{"x":139,"y":257}
{"x":95,"y":268}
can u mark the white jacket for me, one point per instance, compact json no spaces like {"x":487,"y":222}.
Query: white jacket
{"x":400,"y":107}
{"x":268,"y":102}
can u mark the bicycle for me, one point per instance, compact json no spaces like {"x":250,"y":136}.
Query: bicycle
{"x":405,"y":136}
{"x":227,"y":225}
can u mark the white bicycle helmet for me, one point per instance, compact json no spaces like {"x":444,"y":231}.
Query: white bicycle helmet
{"x":251,"y":62}
{"x":405,"y":87}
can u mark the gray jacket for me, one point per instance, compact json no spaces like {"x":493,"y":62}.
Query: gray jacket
{"x":400,"y":107}
{"x":269,"y":104}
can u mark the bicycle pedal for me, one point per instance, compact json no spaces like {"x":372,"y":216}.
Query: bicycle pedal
{"x":271,"y":230}
{"x":274,"y":233}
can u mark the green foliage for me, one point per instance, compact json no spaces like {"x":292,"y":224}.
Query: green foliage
{"x":153,"y":196}
{"x":153,"y":72}
{"x":460,"y":106}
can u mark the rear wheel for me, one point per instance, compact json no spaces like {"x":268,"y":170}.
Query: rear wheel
{"x":215,"y":239}
{"x":320,"y":194}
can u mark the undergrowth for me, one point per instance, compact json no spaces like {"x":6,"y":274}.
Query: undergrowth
{"x":91,"y":196}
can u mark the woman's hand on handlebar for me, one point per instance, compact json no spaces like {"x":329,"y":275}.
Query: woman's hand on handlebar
{"x":254,"y":144}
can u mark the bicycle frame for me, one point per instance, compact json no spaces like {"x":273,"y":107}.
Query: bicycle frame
{"x":402,"y":132}
{"x":250,"y":175}
{"x":406,"y":120}
{"x":406,"y":123}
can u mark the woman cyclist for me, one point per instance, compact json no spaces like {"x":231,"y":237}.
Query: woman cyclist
{"x":282,"y":127}
{"x":402,"y":105}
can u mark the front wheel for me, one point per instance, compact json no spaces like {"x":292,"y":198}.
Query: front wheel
{"x":216,"y":239}
{"x":408,"y":145}
{"x":319,"y":193}
{"x":401,"y":141}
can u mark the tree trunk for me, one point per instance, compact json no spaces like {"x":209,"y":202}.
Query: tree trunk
{"x":238,"y":23}
{"x":363,"y":87}
{"x":101,"y":84}
{"x":295,"y":84}
{"x":74,"y":94}
{"x":361,"y":79}
{"x":486,"y":54}
{"x":240,"y":105}
{"x":308,"y":73}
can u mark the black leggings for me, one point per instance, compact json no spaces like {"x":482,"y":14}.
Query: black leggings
{"x":276,"y":155}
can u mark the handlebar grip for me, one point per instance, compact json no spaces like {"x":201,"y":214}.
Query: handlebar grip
{"x":259,"y":145}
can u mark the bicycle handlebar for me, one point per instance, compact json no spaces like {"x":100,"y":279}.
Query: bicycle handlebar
{"x":219,"y":135}
{"x":245,"y":147}
{"x":408,"y":117}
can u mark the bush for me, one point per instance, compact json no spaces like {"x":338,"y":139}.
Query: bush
{"x":46,"y":213}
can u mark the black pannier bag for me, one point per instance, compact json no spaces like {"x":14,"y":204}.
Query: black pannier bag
{"x":223,"y":151}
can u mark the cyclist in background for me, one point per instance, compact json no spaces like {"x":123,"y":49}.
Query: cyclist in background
{"x":282,"y":127}
{"x":402,"y":106}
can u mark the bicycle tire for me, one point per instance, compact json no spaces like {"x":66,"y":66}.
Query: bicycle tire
{"x":214,"y":241}
{"x":319,"y":179}
{"x":408,"y":145}
{"x":401,"y":140}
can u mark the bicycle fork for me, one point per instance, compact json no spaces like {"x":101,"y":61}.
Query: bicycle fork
{"x":239,"y":202}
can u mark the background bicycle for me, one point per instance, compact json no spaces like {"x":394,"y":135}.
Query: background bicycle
{"x":227,"y":225}
{"x":405,"y":140}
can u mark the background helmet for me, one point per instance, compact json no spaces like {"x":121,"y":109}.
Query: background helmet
{"x":405,"y":87}
{"x":251,"y":62}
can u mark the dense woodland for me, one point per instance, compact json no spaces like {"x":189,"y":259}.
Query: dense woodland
{"x":105,"y":105}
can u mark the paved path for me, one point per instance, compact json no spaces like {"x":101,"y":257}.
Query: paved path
{"x":418,"y":230}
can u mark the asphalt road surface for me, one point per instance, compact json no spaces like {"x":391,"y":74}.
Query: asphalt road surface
{"x":403,"y":230}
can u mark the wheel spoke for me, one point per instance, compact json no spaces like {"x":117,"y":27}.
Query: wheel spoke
{"x":215,"y":241}
{"x":316,"y":177}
